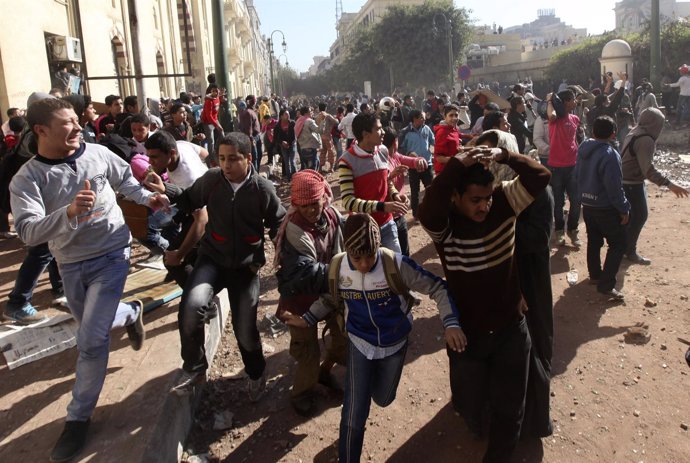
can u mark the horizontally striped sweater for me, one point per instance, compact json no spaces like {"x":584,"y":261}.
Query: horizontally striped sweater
{"x":364,"y":183}
{"x":478,"y":258}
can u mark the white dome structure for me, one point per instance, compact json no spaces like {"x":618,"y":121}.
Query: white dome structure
{"x":616,"y":56}
{"x":616,"y":49}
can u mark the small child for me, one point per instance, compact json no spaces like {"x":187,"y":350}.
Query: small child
{"x":378,"y":322}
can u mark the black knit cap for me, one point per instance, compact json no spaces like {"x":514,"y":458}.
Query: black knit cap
{"x":362,"y":235}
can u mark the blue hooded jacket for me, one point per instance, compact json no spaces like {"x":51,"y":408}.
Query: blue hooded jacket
{"x":600,"y":177}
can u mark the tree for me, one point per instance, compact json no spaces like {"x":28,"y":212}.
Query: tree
{"x":409,"y":44}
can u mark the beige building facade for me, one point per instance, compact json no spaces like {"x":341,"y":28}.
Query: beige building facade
{"x":96,"y":37}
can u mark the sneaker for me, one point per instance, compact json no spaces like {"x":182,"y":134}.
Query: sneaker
{"x":187,"y":382}
{"x":154,"y":261}
{"x":71,"y":441}
{"x":638,"y":259}
{"x":560,"y":238}
{"x":572,"y":234}
{"x":27,"y":315}
{"x":256,"y":388}
{"x":8,"y":235}
{"x":60,"y":300}
{"x":135,"y":331}
{"x":613,"y":294}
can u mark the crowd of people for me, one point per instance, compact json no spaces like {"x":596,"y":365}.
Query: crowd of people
{"x":495,"y":183}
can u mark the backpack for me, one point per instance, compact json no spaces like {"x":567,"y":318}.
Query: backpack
{"x":630,"y":146}
{"x":393,"y":279}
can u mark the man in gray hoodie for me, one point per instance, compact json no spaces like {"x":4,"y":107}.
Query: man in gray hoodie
{"x":66,"y":196}
{"x":637,"y":155}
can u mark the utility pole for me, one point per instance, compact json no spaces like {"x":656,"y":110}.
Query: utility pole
{"x":220,"y":47}
{"x":655,"y":47}
{"x":136,"y":52}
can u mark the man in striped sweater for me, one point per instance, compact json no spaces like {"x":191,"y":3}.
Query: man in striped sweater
{"x":364,"y":183}
{"x":472,"y":225}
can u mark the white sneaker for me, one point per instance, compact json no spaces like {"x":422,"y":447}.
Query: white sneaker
{"x":154,"y":261}
{"x":61,"y":300}
{"x":560,"y":238}
{"x":186,"y":383}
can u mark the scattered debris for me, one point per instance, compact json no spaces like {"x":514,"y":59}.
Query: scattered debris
{"x":649,"y":303}
{"x":638,"y":334}
{"x":222,"y":420}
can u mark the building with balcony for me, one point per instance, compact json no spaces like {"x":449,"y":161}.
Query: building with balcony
{"x":97,"y":40}
{"x":634,"y":15}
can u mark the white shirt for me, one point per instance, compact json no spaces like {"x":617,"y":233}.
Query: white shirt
{"x":190,"y":166}
{"x":346,"y":125}
{"x":684,"y":84}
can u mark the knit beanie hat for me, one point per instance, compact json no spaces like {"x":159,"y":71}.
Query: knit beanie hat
{"x":362,"y":235}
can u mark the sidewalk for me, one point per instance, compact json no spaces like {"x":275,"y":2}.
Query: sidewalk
{"x":136,"y":419}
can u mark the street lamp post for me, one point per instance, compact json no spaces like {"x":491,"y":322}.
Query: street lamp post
{"x":449,"y":30}
{"x":280,"y":77}
{"x":270,"y":54}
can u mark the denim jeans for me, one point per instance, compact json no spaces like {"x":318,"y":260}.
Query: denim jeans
{"x":35,"y":262}
{"x":563,"y":180}
{"x":604,"y":223}
{"x":288,"y":157}
{"x":683,"y":108}
{"x":401,"y":225}
{"x":365,"y":380}
{"x":337,"y":141}
{"x":93,"y":288}
{"x":206,"y":280}
{"x":389,"y":236}
{"x":637,"y":195}
{"x":493,"y":368}
{"x":161,"y":230}
{"x":426,"y":178}
{"x":309,"y":159}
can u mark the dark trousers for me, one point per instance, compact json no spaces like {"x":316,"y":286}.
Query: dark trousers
{"x":206,"y":280}
{"x":401,"y":223}
{"x":35,"y":262}
{"x":365,"y":380}
{"x":604,"y":223}
{"x":415,"y":177}
{"x":637,"y":195}
{"x":257,"y":152}
{"x":535,"y":282}
{"x":493,"y":368}
{"x":4,"y":221}
{"x":563,"y":180}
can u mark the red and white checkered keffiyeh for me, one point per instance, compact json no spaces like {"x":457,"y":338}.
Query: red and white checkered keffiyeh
{"x":307,"y":187}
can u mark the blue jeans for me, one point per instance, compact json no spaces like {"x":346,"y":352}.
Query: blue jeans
{"x":288,"y":158}
{"x":212,"y":134}
{"x":161,"y":230}
{"x":683,"y":108}
{"x":637,"y":195}
{"x":309,"y":158}
{"x":206,"y":280}
{"x":389,"y":236}
{"x":93,"y":288}
{"x":604,"y":223}
{"x":365,"y":380}
{"x":338,"y":148}
{"x":35,"y":262}
{"x":563,"y":180}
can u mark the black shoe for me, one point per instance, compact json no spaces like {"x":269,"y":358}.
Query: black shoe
{"x":135,"y":331}
{"x":638,"y":259}
{"x":71,"y":441}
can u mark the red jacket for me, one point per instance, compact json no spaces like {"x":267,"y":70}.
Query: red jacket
{"x":447,"y":144}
